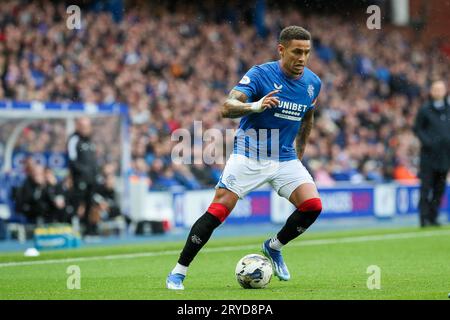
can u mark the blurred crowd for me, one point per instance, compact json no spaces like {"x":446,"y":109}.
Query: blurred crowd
{"x":174,"y":67}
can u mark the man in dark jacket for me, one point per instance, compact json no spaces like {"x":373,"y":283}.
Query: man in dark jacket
{"x":432,"y":127}
{"x":83,"y":168}
{"x":55,"y":193}
{"x":31,"y":198}
{"x":105,"y":203}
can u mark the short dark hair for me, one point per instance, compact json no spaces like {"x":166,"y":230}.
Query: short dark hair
{"x":293,"y":33}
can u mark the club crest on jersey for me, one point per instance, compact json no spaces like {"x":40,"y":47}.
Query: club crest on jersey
{"x":278,"y":87}
{"x":311,"y":91}
{"x":245,"y":80}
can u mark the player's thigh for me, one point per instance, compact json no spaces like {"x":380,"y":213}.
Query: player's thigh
{"x":302,"y":193}
{"x":294,"y":183}
{"x":225,"y":197}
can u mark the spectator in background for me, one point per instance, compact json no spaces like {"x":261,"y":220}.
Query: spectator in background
{"x":185,"y":176}
{"x":167,"y":179}
{"x":83,"y":169}
{"x":105,"y":205}
{"x":71,"y":202}
{"x":321,"y":175}
{"x":432,"y":127}
{"x":31,"y":198}
{"x":203,"y":173}
{"x":139,"y":168}
{"x":28,"y":165}
{"x":403,"y":173}
{"x":55,"y":193}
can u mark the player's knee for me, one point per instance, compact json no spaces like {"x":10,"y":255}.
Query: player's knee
{"x":311,"y":205}
{"x":219,"y":210}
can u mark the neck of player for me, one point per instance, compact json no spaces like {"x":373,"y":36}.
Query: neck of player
{"x":290,"y":73}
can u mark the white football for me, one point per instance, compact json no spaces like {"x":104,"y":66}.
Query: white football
{"x":254,"y":271}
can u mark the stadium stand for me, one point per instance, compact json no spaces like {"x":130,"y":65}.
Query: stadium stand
{"x":373,"y":83}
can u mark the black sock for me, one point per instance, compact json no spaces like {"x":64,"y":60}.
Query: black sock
{"x":200,"y":233}
{"x":296,"y":224}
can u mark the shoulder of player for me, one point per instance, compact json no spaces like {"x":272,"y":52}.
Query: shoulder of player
{"x":312,"y":76}
{"x":265,"y":67}
{"x":258,"y":72}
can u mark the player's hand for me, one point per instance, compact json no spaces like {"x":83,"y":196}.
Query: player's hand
{"x":266,"y":102}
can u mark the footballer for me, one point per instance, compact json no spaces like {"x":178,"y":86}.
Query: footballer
{"x":277,"y":98}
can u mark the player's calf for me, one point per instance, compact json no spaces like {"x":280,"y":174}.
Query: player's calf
{"x":200,"y":233}
{"x":300,"y":220}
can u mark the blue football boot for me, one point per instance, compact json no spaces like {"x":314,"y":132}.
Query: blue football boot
{"x":280,"y":268}
{"x":175,"y":281}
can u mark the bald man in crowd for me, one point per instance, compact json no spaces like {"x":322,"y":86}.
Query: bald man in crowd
{"x":432,"y":127}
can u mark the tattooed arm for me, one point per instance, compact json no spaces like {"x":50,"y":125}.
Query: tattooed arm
{"x":303,"y":134}
{"x":235,"y":106}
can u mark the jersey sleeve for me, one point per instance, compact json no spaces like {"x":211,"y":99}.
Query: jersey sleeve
{"x":317,"y":87}
{"x":250,"y":84}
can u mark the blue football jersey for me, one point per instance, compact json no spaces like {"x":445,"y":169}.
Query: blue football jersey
{"x":271,"y":133}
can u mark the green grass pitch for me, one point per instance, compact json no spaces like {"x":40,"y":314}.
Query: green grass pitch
{"x":414,"y":264}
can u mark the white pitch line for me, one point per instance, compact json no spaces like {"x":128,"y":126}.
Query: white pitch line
{"x":394,"y":236}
